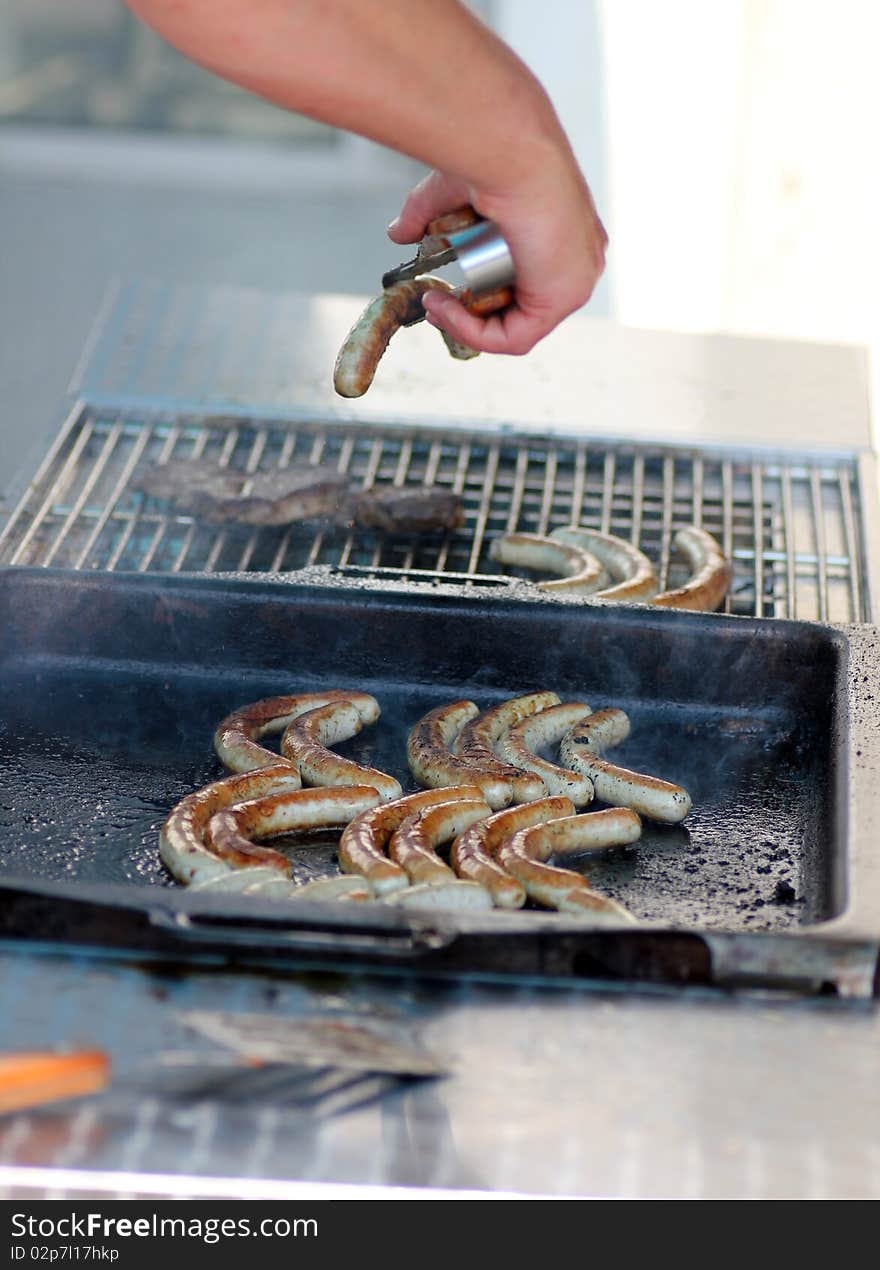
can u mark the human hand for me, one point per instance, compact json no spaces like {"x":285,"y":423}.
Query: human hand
{"x":555,"y":237}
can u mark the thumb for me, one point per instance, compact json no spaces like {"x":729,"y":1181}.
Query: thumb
{"x":432,"y":197}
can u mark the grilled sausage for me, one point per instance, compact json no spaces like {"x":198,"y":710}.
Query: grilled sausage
{"x":413,"y":843}
{"x":580,"y":750}
{"x":230,"y":833}
{"x":305,"y":741}
{"x":432,"y":762}
{"x":363,"y":842}
{"x":236,"y":739}
{"x":455,"y":896}
{"x":237,"y":881}
{"x":601,"y":730}
{"x":267,"y":884}
{"x":580,"y":572}
{"x":181,"y":838}
{"x":711,"y":573}
{"x":524,"y":856}
{"x":573,"y":835}
{"x":473,"y":851}
{"x":397,"y":306}
{"x":632,"y":572}
{"x":335,"y":888}
{"x":544,"y":730}
{"x":477,"y":741}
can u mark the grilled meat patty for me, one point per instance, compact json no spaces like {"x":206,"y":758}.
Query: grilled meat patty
{"x":303,"y":492}
{"x":217,"y":494}
{"x":405,"y":510}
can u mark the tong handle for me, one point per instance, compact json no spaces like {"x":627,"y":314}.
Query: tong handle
{"x":435,"y":250}
{"x":436,"y":240}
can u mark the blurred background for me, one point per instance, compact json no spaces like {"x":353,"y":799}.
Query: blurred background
{"x":730,"y":146}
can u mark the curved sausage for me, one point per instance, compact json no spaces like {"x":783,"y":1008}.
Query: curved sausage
{"x":580,"y":750}
{"x":267,"y":884}
{"x":181,"y":838}
{"x":524,"y":856}
{"x":397,"y":306}
{"x":477,"y":741}
{"x":573,"y":835}
{"x":236,"y":739}
{"x":230,"y":833}
{"x":632,"y":571}
{"x":580,"y":572}
{"x":237,"y":881}
{"x":711,"y":573}
{"x":432,"y":762}
{"x":473,"y":851}
{"x":333,"y":888}
{"x":544,"y":730}
{"x":455,"y":897}
{"x":601,"y":730}
{"x":305,"y":741}
{"x":413,"y":843}
{"x":363,"y":842}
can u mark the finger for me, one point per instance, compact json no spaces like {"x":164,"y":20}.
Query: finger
{"x":432,"y":197}
{"x":512,"y":332}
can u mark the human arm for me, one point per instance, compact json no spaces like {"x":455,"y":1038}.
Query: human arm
{"x":426,"y":78}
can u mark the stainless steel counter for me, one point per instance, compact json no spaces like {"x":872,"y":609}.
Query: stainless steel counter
{"x":552,"y":1091}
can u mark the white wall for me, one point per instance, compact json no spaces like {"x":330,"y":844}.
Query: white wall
{"x":672,"y":72}
{"x":805,"y":256}
{"x":743,"y":165}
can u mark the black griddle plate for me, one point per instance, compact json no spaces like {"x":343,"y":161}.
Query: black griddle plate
{"x":111,"y":686}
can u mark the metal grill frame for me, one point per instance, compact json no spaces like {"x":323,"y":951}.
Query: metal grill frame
{"x":776,"y":572}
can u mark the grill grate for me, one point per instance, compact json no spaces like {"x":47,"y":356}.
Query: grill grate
{"x":791,"y":525}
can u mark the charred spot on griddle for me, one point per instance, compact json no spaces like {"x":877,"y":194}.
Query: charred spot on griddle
{"x":784,"y":893}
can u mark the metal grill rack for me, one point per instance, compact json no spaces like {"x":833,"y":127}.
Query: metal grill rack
{"x":790,"y":524}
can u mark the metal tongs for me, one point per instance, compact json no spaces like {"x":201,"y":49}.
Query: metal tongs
{"x":479,"y":250}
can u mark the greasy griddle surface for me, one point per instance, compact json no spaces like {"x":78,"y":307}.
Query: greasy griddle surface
{"x":96,"y":746}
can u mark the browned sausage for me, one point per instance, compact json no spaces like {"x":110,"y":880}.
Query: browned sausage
{"x":236,"y":739}
{"x":473,"y":851}
{"x":305,"y":742}
{"x":432,"y":762}
{"x":543,"y":731}
{"x":413,"y":843}
{"x":580,"y":572}
{"x":580,"y":750}
{"x":363,"y":842}
{"x":230,"y":833}
{"x":181,"y":838}
{"x":711,"y":573}
{"x":632,"y":571}
{"x":524,"y":856}
{"x":478,"y":739}
{"x":397,"y":306}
